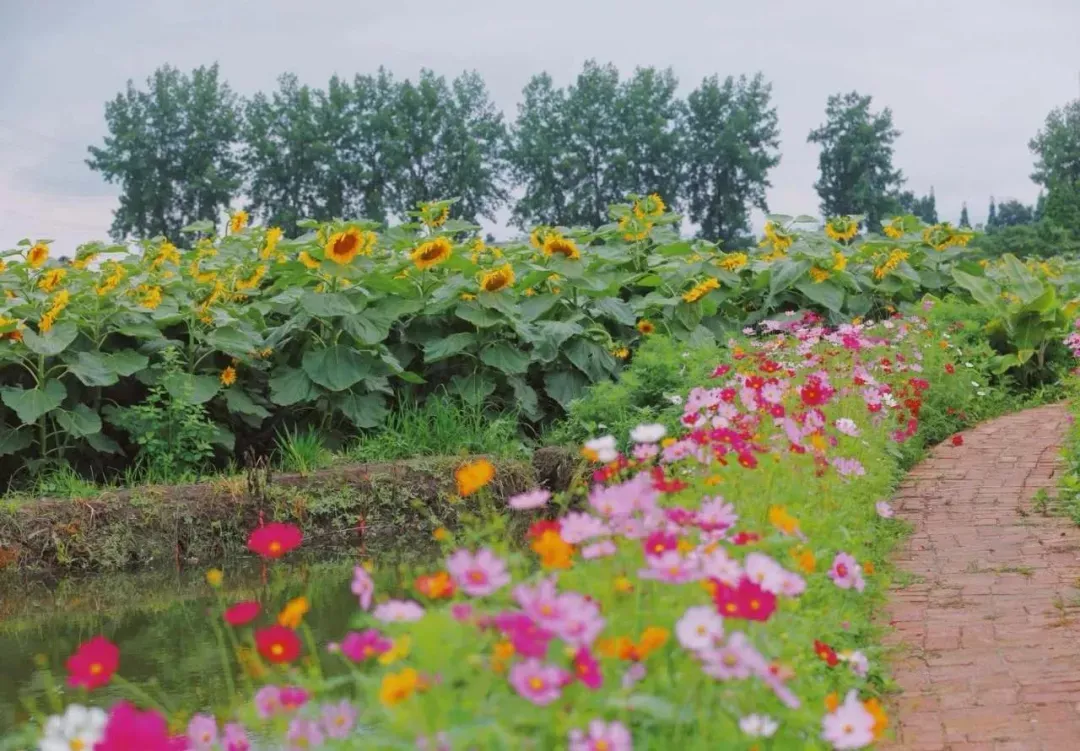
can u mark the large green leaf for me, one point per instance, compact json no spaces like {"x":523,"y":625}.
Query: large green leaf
{"x":525,"y":394}
{"x":565,"y":386}
{"x":327,"y":305}
{"x":126,"y":362}
{"x":104,"y":444}
{"x":31,"y":404}
{"x":144,"y":331}
{"x":549,"y":336}
{"x":505,"y":357}
{"x":366,"y":328}
{"x":1022,"y":282}
{"x":52,"y":342}
{"x":533,"y":307}
{"x":473,"y":388}
{"x":336,"y":368}
{"x":12,"y":440}
{"x":824,"y":293}
{"x":193,"y":389}
{"x":448,"y":346}
{"x":363,"y":410}
{"x":290,"y":386}
{"x":92,"y":369}
{"x":982,"y":289}
{"x":79,"y":422}
{"x":238,"y":401}
{"x":481,"y":318}
{"x":234,"y":341}
{"x":616,"y":309}
{"x":591,"y":359}
{"x":784,"y":273}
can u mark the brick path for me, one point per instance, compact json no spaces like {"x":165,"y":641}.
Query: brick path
{"x":988,"y":626}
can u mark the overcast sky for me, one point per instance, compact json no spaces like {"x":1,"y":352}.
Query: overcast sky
{"x":969,"y":81}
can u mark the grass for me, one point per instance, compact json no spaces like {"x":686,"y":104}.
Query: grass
{"x":301,"y":451}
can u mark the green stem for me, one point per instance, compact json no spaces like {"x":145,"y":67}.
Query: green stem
{"x":138,"y":693}
{"x":226,"y":664}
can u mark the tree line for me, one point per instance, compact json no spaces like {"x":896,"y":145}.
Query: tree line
{"x":186,"y":148}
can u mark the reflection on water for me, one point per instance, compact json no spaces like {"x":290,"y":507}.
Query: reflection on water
{"x":159,"y":621}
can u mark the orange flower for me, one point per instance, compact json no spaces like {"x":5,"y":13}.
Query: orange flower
{"x":554,"y":552}
{"x":832,"y":701}
{"x":504,"y":650}
{"x":804,"y":559}
{"x":651,"y":640}
{"x":473,"y":476}
{"x":646,"y":327}
{"x":623,"y":585}
{"x":881,"y":720}
{"x":441,"y":533}
{"x":228,"y":376}
{"x":436,"y":586}
{"x":294,"y":612}
{"x":782,"y":520}
{"x":623,"y":648}
{"x":397,"y":687}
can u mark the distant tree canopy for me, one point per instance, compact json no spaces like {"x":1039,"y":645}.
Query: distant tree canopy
{"x":925,"y":207}
{"x":1057,"y":166}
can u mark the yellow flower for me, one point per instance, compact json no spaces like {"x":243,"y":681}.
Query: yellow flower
{"x":306,"y":259}
{"x":819,"y":275}
{"x":839,"y":261}
{"x":79,"y":263}
{"x":397,"y":687}
{"x":701,"y":289}
{"x":539,"y":235}
{"x":643,"y":228}
{"x":733,"y":261}
{"x":228,"y":376}
{"x":498,"y":279}
{"x":214,"y":577}
{"x":620,"y":353}
{"x":557,"y":245}
{"x":646,"y":327}
{"x":151,"y":296}
{"x":782,"y":520}
{"x":431,"y":253}
{"x":441,"y":534}
{"x":112,"y":279}
{"x":59,"y":302}
{"x":434,"y":215}
{"x":3,"y":266}
{"x":473,"y":476}
{"x":804,"y":559}
{"x":398,"y":651}
{"x":293,"y":613}
{"x":896,"y":257}
{"x":653,"y":205}
{"x":841,"y":229}
{"x":779,"y":240}
{"x":623,"y":585}
{"x":467,"y":296}
{"x":253,"y":281}
{"x":273,"y":236}
{"x":895,"y":228}
{"x":167,"y":253}
{"x":343,"y":247}
{"x":51,"y":279}
{"x":37,"y":255}
{"x":238,"y":221}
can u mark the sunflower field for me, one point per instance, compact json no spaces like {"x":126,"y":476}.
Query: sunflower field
{"x":331,"y":329}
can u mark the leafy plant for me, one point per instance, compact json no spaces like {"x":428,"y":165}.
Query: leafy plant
{"x":301,"y":451}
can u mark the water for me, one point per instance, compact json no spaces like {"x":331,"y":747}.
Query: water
{"x":160,"y":622}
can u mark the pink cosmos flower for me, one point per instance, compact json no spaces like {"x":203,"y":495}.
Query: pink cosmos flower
{"x":851,"y":726}
{"x":478,"y":575}
{"x":765,"y":572}
{"x":716,"y":514}
{"x":129,"y":729}
{"x":536,"y":681}
{"x":793,"y":585}
{"x":461,"y":611}
{"x":860,"y":664}
{"x":847,"y":426}
{"x":587,"y":669}
{"x":202,"y":732}
{"x":438,"y":742}
{"x":578,"y":526}
{"x":671,"y":567}
{"x":304,"y":734}
{"x":293,"y":697}
{"x":846,"y":573}
{"x":529,"y":639}
{"x":581,"y":621}
{"x":235,"y":738}
{"x":398,"y":611}
{"x":645,"y":451}
{"x":365,"y":645}
{"x":602,"y":736}
{"x":734,"y":661}
{"x":699,"y":628}
{"x":717,"y":564}
{"x":848,"y":467}
{"x":530,"y":500}
{"x":633,"y":675}
{"x":363,"y":587}
{"x":541,"y":603}
{"x":598,"y":550}
{"x":338,"y":718}
{"x":268,"y":701}
{"x":884,"y":510}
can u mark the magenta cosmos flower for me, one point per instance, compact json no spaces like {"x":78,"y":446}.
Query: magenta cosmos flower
{"x":601,"y":736}
{"x":235,"y":738}
{"x":530,"y":500}
{"x":363,"y":587}
{"x":478,"y":575}
{"x":846,"y":573}
{"x":538,"y":682}
{"x":365,"y":645}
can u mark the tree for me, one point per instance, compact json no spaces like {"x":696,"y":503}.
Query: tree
{"x":732,"y":142}
{"x":925,"y":207}
{"x":965,"y":221}
{"x":857,"y":175}
{"x":1012,"y":213}
{"x":171,"y":148}
{"x":991,"y":215}
{"x":539,"y":154}
{"x":1057,"y":165}
{"x":448,"y":142}
{"x":651,"y":129}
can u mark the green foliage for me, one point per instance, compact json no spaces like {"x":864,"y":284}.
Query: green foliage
{"x":965,"y":220}
{"x":857,"y":175}
{"x":171,"y":150}
{"x":1057,"y":165}
{"x":925,"y":208}
{"x":170,"y":426}
{"x":1042,"y":239}
{"x":732,"y":137}
{"x":301,"y":451}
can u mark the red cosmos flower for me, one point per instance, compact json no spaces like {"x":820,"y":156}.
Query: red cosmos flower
{"x":242,"y":613}
{"x":746,"y":538}
{"x":958,"y":440}
{"x":93,"y":663}
{"x":727,"y":395}
{"x":777,"y":410}
{"x":720,"y":371}
{"x":815,"y":393}
{"x":747,"y":459}
{"x":277,"y":644}
{"x":949,"y":368}
{"x":665,"y":485}
{"x":920,"y":384}
{"x":754,"y":382}
{"x":748,"y":600}
{"x":537,"y":529}
{"x":660,"y":542}
{"x":770,"y":366}
{"x":679,"y":515}
{"x":826,"y":653}
{"x":587,"y":669}
{"x":275,"y":539}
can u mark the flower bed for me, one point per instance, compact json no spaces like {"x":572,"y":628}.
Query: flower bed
{"x":711,"y":589}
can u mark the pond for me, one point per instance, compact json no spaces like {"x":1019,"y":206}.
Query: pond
{"x":160,"y":622}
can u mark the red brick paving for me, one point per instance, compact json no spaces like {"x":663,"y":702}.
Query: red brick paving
{"x":987,"y":633}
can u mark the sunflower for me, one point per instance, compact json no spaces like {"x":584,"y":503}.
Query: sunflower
{"x":252,"y":281}
{"x":701,"y":289}
{"x":306,"y":259}
{"x":819,"y":275}
{"x":167,"y":253}
{"x":651,"y":205}
{"x":646,"y":327}
{"x":151,"y":296}
{"x":895,"y":228}
{"x":228,"y":376}
{"x":82,"y":262}
{"x":557,"y":245}
{"x":343,"y":247}
{"x":431,"y":253}
{"x":59,"y":302}
{"x":839,"y":261}
{"x":273,"y":236}
{"x":37,"y":255}
{"x":51,"y":279}
{"x":238,"y":221}
{"x":497,"y":279}
{"x":434,"y":215}
{"x":841,"y":229}
{"x":733,"y":261}
{"x":777,"y":238}
{"x":538,"y":235}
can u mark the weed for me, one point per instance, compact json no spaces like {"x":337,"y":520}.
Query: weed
{"x":301,"y":452}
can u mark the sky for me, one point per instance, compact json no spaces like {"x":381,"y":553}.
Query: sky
{"x":969,"y":82}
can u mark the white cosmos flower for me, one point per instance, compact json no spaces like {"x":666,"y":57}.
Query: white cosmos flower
{"x":647,"y":433}
{"x":78,"y":728}
{"x":758,"y":726}
{"x":604,"y":448}
{"x":699,"y":628}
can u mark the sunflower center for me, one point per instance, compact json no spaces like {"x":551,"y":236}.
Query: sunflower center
{"x":346,"y":245}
